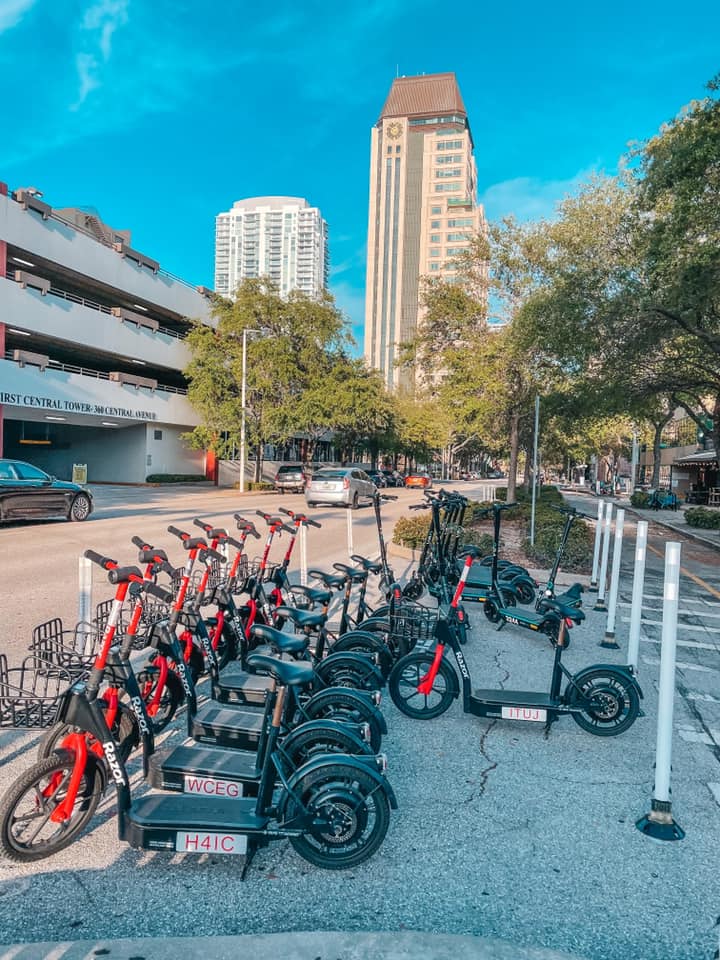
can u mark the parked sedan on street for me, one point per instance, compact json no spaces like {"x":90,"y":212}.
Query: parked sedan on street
{"x":346,"y":486}
{"x":418,"y":480}
{"x":290,"y":476}
{"x":27,"y":492}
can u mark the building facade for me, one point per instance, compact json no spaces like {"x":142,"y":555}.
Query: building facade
{"x":91,"y":347}
{"x":422,"y":210}
{"x":283,"y":238}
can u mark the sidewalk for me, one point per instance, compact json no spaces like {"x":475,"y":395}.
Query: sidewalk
{"x":403,"y":945}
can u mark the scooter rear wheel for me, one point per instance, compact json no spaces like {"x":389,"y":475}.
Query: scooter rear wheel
{"x":27,"y":832}
{"x":358,"y":812}
{"x":171,"y":697}
{"x":616,"y":702}
{"x":347,"y":707}
{"x":407,"y":675}
{"x":301,"y":745}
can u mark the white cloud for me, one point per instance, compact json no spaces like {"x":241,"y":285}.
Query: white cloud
{"x":100,"y":22}
{"x":12,"y":12}
{"x":529,"y":198}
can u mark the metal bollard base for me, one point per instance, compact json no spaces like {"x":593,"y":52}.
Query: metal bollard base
{"x":600,"y":605}
{"x":609,"y":641}
{"x":659,"y":823}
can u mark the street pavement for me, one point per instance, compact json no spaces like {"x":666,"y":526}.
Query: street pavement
{"x":502,"y":832}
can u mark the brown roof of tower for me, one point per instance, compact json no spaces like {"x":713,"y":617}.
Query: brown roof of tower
{"x":432,"y":95}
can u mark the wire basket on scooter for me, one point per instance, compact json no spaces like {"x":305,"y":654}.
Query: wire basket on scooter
{"x":30,"y":694}
{"x":411,"y":625}
{"x":72,"y":651}
{"x":268,"y":574}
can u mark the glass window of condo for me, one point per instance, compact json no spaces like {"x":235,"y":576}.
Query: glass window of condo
{"x":450,"y":145}
{"x":434,"y":252}
{"x":447,"y":187}
{"x":455,"y":172}
{"x":456,"y":251}
{"x":434,"y":266}
{"x":435,"y":224}
{"x":450,"y":158}
{"x":463,"y":222}
{"x":454,"y":237}
{"x":435,"y":238}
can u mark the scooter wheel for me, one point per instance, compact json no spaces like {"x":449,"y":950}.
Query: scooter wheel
{"x":414,"y":589}
{"x":351,"y":813}
{"x":406,"y":676}
{"x":615,"y":703}
{"x":525,"y":593}
{"x":350,"y":670}
{"x":27,"y":831}
{"x":302,"y":745}
{"x":346,"y":706}
{"x":124,"y":734}
{"x":171,"y":697}
{"x":491,"y":611}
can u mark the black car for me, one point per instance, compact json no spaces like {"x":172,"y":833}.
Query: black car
{"x":392,"y":478}
{"x":27,"y":493}
{"x":377,"y":477}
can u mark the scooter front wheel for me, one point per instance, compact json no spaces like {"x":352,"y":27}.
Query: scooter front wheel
{"x":124,"y":733}
{"x":27,"y":829}
{"x":407,"y":675}
{"x":353,"y":816}
{"x":614,"y":703}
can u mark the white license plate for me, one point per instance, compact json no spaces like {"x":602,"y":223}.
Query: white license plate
{"x":212,"y":787}
{"x":532,"y":714}
{"x":193,"y":841}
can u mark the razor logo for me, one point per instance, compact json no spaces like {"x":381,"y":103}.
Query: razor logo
{"x":139,"y":711}
{"x":113,"y":762}
{"x":461,"y":663}
{"x":183,"y":671}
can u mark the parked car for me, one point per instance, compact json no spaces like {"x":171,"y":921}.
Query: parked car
{"x":339,"y":485}
{"x":377,"y":477}
{"x":290,"y":476}
{"x":26,"y":492}
{"x":418,"y":480}
{"x":392,"y":478}
{"x":495,"y":475}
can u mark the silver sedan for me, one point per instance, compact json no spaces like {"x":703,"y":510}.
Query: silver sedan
{"x":342,"y":485}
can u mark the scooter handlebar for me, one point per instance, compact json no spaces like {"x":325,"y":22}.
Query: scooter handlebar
{"x":388,"y":496}
{"x":105,"y":562}
{"x":141,"y":544}
{"x":176,"y":532}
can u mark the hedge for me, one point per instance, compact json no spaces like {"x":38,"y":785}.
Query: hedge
{"x":411,"y":531}
{"x":702,"y":517}
{"x":175,"y":477}
{"x":640,"y":499}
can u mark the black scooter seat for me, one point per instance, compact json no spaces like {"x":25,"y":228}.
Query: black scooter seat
{"x":283,"y":642}
{"x":302,"y":618}
{"x":165,"y":811}
{"x":564,"y":609}
{"x":329,"y":579}
{"x":314,"y":595}
{"x":289,"y":672}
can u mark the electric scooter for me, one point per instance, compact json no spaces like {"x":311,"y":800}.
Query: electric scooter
{"x":602,"y":699}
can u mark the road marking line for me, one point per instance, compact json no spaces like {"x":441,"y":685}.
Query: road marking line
{"x":698,"y":580}
{"x":654,"y":662}
{"x":686,"y":643}
{"x":705,"y":697}
{"x":692,"y":736}
{"x":687,"y":613}
{"x":681,"y":626}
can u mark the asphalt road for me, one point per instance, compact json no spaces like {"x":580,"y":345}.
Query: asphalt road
{"x":501,"y":831}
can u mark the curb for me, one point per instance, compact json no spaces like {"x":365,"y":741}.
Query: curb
{"x":402,"y":945}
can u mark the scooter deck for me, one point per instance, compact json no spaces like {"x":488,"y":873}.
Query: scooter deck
{"x":204,"y":771}
{"x":196,"y":825}
{"x":516,"y":698}
{"x":227,"y":726}
{"x":236,"y":685}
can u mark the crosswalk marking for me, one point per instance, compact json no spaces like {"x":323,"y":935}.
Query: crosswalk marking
{"x":696,"y":644}
{"x":681,"y":626}
{"x":681,"y":665}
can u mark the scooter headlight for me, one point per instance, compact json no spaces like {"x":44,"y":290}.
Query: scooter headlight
{"x":365,"y":732}
{"x":382,"y":763}
{"x":376,"y":697}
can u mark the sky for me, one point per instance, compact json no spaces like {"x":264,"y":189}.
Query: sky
{"x":162,"y":113}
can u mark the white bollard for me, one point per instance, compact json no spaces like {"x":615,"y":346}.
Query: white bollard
{"x":351,"y":550}
{"x":303,"y":555}
{"x":637,"y":594}
{"x":659,"y":823}
{"x":84,"y":618}
{"x":609,"y":639}
{"x":602,"y":581}
{"x":596,"y":548}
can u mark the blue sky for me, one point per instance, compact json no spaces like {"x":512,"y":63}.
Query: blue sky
{"x":161,"y":113}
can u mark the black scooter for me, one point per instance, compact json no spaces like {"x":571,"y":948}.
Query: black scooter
{"x":602,"y":699}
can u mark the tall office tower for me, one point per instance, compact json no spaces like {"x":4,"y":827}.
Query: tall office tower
{"x":283,"y":238}
{"x":423,"y":208}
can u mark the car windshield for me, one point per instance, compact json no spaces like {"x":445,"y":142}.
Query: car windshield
{"x":289,"y":470}
{"x":26,"y":472}
{"x":329,"y":475}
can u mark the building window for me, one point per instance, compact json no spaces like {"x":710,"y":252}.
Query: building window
{"x":435,"y":238}
{"x":454,"y":237}
{"x":456,"y":251}
{"x":157,"y":434}
{"x":450,"y":145}
{"x":389,"y":149}
{"x":447,"y":187}
{"x":452,"y":158}
{"x":435,"y":210}
{"x":455,"y":172}
{"x":434,"y":252}
{"x":434,"y":224}
{"x":397,"y":149}
{"x":434,"y":266}
{"x":464,"y":222}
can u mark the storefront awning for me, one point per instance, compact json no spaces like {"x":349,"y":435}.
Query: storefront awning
{"x":703,"y":458}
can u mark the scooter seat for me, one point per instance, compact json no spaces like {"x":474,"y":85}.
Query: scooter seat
{"x":564,"y":609}
{"x":289,"y":672}
{"x":356,"y":574}
{"x":329,"y":579}
{"x":302,"y":618}
{"x":313,"y":595}
{"x":282,"y":642}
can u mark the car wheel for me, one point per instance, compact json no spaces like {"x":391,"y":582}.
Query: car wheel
{"x":80,"y":508}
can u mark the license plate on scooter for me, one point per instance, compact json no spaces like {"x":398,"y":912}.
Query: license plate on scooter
{"x":195,"y":841}
{"x":531,"y":714}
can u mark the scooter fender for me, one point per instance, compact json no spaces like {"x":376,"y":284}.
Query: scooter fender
{"x":375,"y":625}
{"x":623,"y":669}
{"x":367,"y":696}
{"x":322,"y":725}
{"x":362,"y":660}
{"x":361,"y":634}
{"x":368,"y":764}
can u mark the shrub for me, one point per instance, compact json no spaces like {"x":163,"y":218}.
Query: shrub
{"x":640,"y":499}
{"x":411,"y":531}
{"x":174,"y":477}
{"x":578,"y":551}
{"x":548,"y":493}
{"x":474,"y":538}
{"x":259,"y":485}
{"x":703,"y":518}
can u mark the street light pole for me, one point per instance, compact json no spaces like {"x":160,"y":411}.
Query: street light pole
{"x":243,"y":390}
